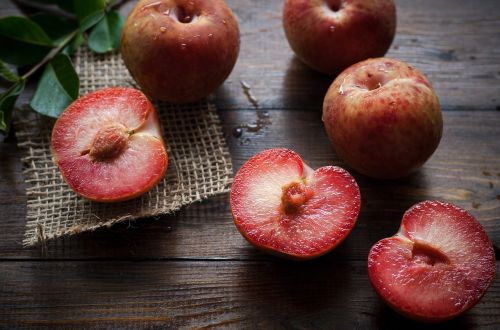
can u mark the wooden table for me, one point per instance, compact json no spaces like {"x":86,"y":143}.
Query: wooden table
{"x":193,"y":269}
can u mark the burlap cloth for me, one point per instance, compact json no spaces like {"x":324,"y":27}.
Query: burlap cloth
{"x":199,"y":162}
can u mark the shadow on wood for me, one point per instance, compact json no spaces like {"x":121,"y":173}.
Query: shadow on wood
{"x":303,"y":88}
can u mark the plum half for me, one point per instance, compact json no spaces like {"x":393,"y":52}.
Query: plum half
{"x":108,"y":145}
{"x":281,"y":206}
{"x":439,"y":264}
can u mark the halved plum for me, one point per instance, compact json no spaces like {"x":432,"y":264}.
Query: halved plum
{"x":439,"y":264}
{"x":282,"y":206}
{"x":108,"y":145}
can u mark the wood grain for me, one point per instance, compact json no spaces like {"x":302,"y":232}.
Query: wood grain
{"x":206,"y":294}
{"x":193,"y":269}
{"x":453,"y":42}
{"x":465,"y":170}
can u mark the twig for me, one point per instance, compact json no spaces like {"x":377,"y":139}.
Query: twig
{"x":117,"y":5}
{"x":28,"y":7}
{"x":50,"y":55}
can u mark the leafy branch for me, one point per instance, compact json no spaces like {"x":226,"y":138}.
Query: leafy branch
{"x":46,"y":40}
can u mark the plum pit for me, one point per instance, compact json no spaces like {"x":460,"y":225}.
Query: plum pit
{"x":109,"y":143}
{"x":426,"y":254}
{"x":293,"y":196}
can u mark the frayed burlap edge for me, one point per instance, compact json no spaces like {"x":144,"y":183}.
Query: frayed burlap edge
{"x":199,"y":162}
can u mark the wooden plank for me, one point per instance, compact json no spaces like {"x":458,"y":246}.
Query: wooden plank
{"x":465,"y":170}
{"x":206,"y":294}
{"x":455,"y":43}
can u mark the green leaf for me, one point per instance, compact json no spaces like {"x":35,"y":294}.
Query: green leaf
{"x":22,"y":41}
{"x":7,"y":74}
{"x":24,"y":29}
{"x":86,"y":8}
{"x":91,"y":20}
{"x":56,"y":27}
{"x":105,"y":36}
{"x":77,"y":41}
{"x":7,"y":103}
{"x":57,"y":88}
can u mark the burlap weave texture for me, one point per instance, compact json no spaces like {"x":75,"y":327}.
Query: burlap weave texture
{"x":199,"y":162}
